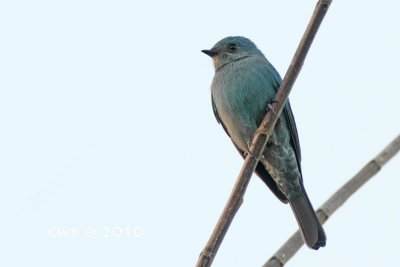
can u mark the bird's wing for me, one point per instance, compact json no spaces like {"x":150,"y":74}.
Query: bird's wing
{"x":287,"y":112}
{"x":218,"y":118}
{"x":293,"y":132}
{"x":260,"y":169}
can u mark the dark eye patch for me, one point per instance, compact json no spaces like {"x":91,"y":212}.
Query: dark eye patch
{"x":232,"y":47}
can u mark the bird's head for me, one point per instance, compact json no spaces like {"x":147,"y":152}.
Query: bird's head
{"x":231,"y":49}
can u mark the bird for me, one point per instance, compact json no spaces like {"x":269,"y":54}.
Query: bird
{"x":244,"y":85}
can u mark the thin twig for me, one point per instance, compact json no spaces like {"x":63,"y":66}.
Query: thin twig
{"x":293,"y":244}
{"x":261,"y":137}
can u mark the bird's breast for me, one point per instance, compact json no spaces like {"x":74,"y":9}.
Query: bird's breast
{"x":241,"y":92}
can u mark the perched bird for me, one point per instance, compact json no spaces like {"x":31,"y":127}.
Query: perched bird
{"x":244,"y":84}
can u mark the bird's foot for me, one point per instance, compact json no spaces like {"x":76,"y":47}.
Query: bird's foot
{"x":246,"y":153}
{"x":251,"y":155}
{"x":270,"y":107}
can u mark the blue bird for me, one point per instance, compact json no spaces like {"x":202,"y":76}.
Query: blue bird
{"x":244,"y":84}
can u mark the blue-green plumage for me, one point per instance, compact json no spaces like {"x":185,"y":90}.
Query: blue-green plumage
{"x":243,"y":86}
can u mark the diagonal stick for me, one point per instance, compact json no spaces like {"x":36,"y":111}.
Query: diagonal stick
{"x":261,"y":137}
{"x":294,"y":243}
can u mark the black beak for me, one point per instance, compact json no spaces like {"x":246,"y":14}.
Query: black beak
{"x":210,"y":53}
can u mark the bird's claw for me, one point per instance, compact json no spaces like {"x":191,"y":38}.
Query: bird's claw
{"x":246,"y":153}
{"x":251,"y":155}
{"x":271,"y":107}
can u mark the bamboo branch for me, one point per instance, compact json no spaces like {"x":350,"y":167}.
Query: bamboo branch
{"x":261,"y":137}
{"x":293,"y":244}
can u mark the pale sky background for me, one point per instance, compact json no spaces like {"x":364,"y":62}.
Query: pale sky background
{"x":106,"y":124}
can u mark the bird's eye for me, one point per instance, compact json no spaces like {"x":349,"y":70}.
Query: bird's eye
{"x":232,"y":47}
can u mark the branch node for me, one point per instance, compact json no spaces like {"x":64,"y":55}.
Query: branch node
{"x":280,"y":259}
{"x":207,"y":253}
{"x":379,"y":160}
{"x":324,"y":212}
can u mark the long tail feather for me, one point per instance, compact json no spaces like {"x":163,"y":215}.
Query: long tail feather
{"x":311,"y":228}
